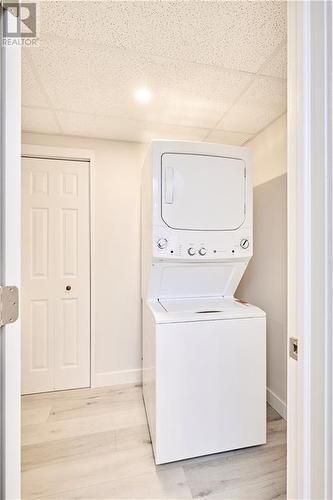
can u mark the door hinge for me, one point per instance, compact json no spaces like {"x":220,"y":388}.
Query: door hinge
{"x":293,"y":348}
{"x":9,"y":304}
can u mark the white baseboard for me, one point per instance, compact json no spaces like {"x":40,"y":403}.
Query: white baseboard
{"x":277,"y":403}
{"x":117,"y":378}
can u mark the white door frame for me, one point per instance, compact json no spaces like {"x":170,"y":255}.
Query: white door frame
{"x":10,"y":239}
{"x":63,"y":153}
{"x":310,"y":249}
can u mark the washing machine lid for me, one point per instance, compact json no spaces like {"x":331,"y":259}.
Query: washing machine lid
{"x":203,"y":309}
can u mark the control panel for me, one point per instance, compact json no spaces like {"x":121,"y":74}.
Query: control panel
{"x":191,"y":245}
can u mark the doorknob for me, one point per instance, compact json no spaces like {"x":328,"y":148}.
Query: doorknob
{"x":68,"y":288}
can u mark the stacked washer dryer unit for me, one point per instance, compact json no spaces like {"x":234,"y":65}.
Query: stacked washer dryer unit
{"x":204,"y":353}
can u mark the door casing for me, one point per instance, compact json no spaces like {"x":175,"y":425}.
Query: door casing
{"x":10,"y":236}
{"x":310,"y":208}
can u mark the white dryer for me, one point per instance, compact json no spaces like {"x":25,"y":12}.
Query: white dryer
{"x":204,"y":352}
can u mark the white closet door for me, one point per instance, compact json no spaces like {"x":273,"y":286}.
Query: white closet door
{"x":55,"y":275}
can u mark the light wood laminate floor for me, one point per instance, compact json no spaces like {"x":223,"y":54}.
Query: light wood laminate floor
{"x":94,"y":444}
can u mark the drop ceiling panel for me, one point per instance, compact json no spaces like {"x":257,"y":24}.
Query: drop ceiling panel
{"x":263,"y":102}
{"x":84,"y":79}
{"x":277,"y":65}
{"x":39,"y":120}
{"x":226,"y":137}
{"x":124,"y":129}
{"x":32,"y":94}
{"x":239,"y":35}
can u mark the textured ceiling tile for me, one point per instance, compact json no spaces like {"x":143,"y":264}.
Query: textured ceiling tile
{"x":94,"y":80}
{"x":39,"y":120}
{"x":226,"y":137}
{"x":32,"y":94}
{"x":234,"y":34}
{"x":263,"y":102}
{"x":277,"y":66}
{"x":94,"y":55}
{"x":124,"y":129}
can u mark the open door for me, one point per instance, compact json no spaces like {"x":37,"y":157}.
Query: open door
{"x":10,"y":250}
{"x":310,"y":209}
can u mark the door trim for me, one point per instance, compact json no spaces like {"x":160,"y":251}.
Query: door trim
{"x":10,"y":240}
{"x":310,"y":233}
{"x":86,"y":155}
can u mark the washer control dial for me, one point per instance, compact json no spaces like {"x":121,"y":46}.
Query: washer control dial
{"x":244,"y":243}
{"x":162,"y":243}
{"x":191,"y":251}
{"x":202,"y":251}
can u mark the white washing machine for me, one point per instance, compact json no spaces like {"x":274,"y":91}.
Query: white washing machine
{"x":204,"y":352}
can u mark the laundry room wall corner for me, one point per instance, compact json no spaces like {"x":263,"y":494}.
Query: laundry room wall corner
{"x":116,"y":253}
{"x":265,"y":280}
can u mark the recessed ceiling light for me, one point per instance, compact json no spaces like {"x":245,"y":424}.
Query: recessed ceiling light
{"x":142,"y":95}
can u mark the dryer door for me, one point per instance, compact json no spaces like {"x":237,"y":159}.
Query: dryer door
{"x":201,"y":192}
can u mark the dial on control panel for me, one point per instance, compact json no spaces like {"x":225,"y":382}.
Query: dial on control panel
{"x":191,"y":251}
{"x":244,"y":243}
{"x":162,"y":243}
{"x":202,"y":251}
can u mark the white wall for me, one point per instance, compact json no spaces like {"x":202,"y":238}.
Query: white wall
{"x":265,"y":280}
{"x":117,"y":177}
{"x":269,"y":149}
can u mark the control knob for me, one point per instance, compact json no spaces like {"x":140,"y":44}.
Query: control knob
{"x":202,"y":251}
{"x":191,"y":251}
{"x":162,"y":243}
{"x":244,"y":243}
